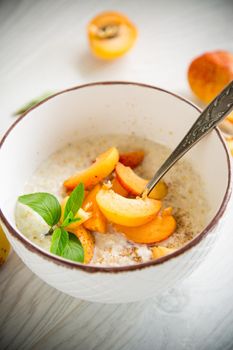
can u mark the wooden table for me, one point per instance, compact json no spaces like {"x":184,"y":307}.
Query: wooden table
{"x":44,"y":47}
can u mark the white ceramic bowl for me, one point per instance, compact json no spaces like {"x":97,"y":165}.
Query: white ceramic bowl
{"x":102,"y":108}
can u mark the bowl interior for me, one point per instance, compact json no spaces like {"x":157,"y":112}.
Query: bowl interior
{"x":103,"y":109}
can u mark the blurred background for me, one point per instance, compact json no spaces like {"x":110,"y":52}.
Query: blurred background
{"x":44,"y":47}
{"x":44,"y":44}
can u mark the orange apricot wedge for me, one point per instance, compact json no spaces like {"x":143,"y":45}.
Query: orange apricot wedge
{"x":160,"y":228}
{"x":230,"y":143}
{"x":81,"y":214}
{"x":230,"y":117}
{"x":135,"y":185}
{"x":116,"y":187}
{"x":111,"y":35}
{"x":159,"y":251}
{"x":87,"y":240}
{"x":102,"y":167}
{"x":126,"y":211}
{"x":97,"y":222}
{"x":132,"y":159}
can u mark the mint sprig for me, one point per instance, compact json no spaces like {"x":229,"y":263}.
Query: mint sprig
{"x":75,"y":201}
{"x":60,"y":239}
{"x":45,"y":204}
{"x":69,"y":220}
{"x":73,"y":250}
{"x":63,"y":243}
{"x":73,"y":205}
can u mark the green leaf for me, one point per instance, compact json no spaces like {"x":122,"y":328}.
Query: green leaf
{"x":73,"y":249}
{"x":75,"y":201}
{"x":32,"y":103}
{"x":69,"y":219}
{"x":45,"y":204}
{"x":60,"y":239}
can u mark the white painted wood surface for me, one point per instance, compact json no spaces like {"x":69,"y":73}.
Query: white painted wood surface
{"x":43,"y":47}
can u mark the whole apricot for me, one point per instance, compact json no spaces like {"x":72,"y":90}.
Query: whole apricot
{"x":4,"y":247}
{"x":209,"y":73}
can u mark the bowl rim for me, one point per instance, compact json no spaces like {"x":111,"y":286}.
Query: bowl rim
{"x":125,"y":268}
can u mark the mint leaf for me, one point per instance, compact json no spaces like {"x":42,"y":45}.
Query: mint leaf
{"x":73,"y":249}
{"x":60,"y":239}
{"x":32,"y":103}
{"x":45,"y":204}
{"x":75,"y":200}
{"x":69,"y":219}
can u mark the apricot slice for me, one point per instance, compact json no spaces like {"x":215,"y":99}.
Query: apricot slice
{"x":135,"y":185}
{"x":126,"y":211}
{"x":102,"y":167}
{"x":230,"y":143}
{"x":160,"y":228}
{"x":159,"y":251}
{"x":87,"y":240}
{"x":97,"y":222}
{"x":230,"y":117}
{"x":111,"y":35}
{"x":132,"y":159}
{"x":209,"y":73}
{"x":81,"y":214}
{"x":116,"y":187}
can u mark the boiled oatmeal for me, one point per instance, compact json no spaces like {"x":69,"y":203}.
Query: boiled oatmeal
{"x":114,"y":225}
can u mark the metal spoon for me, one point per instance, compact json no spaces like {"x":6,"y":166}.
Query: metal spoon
{"x":212,"y":115}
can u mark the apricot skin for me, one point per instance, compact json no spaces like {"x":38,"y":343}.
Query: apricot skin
{"x":209,"y":73}
{"x":135,"y":185}
{"x":87,"y":240}
{"x":97,"y":222}
{"x":230,"y":144}
{"x":116,"y":187}
{"x":159,"y":229}
{"x":230,"y":117}
{"x":127,"y":211}
{"x":101,"y":168}
{"x":132,"y":159}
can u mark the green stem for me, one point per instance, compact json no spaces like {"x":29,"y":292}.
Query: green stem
{"x":50,"y":232}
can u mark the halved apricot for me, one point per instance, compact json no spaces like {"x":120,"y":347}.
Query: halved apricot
{"x":87,"y":240}
{"x":102,"y":167}
{"x":135,"y":185}
{"x":111,"y":35}
{"x":209,"y":73}
{"x":159,"y":251}
{"x":126,"y":211}
{"x":116,"y":187}
{"x":97,"y":222}
{"x":81,"y":214}
{"x":132,"y":159}
{"x":160,"y":228}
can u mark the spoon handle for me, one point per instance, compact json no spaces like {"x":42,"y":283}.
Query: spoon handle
{"x":216,"y":111}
